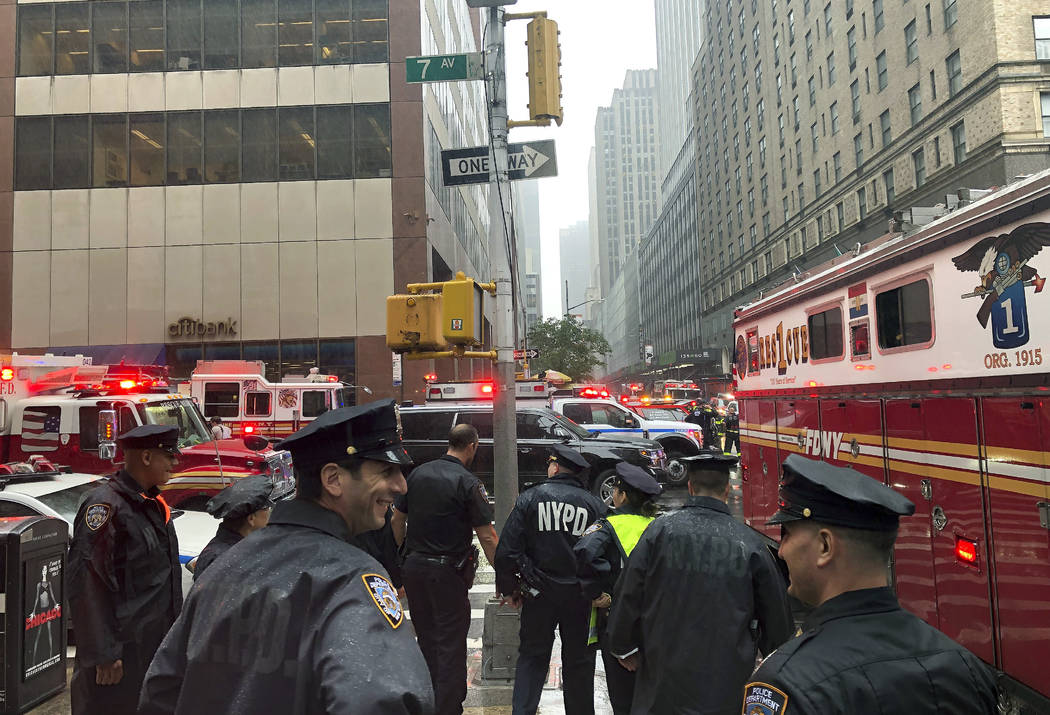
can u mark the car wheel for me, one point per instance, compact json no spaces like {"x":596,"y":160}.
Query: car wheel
{"x":602,"y":487}
{"x":676,"y":471}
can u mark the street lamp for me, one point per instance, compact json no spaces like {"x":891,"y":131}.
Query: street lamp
{"x":568,"y":311}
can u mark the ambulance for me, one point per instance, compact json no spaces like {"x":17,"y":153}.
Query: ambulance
{"x":238,"y":392}
{"x":54,"y":408}
{"x":922,"y":360}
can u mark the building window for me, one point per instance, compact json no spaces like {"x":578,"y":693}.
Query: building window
{"x":809,"y":46}
{"x":816,"y":183}
{"x":109,"y":35}
{"x":840,"y":214}
{"x":813,"y":136}
{"x":937,"y":152}
{"x":36,"y":39}
{"x":884,"y":125}
{"x":887,"y":182}
{"x":862,"y":203}
{"x":858,"y":149}
{"x":834,"y":118}
{"x":32,"y":160}
{"x":72,"y":153}
{"x":222,"y":147}
{"x":1044,"y":101}
{"x":184,"y":34}
{"x":109,"y":151}
{"x":933,"y":86}
{"x":221,"y":47}
{"x":370,"y":31}
{"x":794,"y":107}
{"x":918,"y":160}
{"x":827,"y":20}
{"x":880,"y":68}
{"x":146,"y":35}
{"x":854,"y":91}
{"x":1042,"y":37}
{"x":851,"y":41}
{"x":831,"y":69}
{"x":372,"y":141}
{"x":296,"y":143}
{"x":911,"y":42}
{"x":72,"y":39}
{"x":147,"y":149}
{"x":837,"y":162}
{"x":954,"y":66}
{"x":915,"y":104}
{"x":880,"y":18}
{"x":259,"y":33}
{"x":903,"y":315}
{"x":259,"y":138}
{"x":295,"y":33}
{"x":334,"y":142}
{"x":825,"y":334}
{"x":950,"y":13}
{"x":812,"y":91}
{"x":334,"y":41}
{"x":185,"y":148}
{"x":959,"y":142}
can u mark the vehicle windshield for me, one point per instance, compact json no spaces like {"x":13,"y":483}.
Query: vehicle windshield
{"x":683,"y":394}
{"x":67,"y":501}
{"x":344,"y":397}
{"x":572,"y":427}
{"x":177,"y":413}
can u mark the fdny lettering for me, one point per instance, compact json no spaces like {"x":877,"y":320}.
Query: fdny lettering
{"x":40,"y":619}
{"x":559,"y":516}
{"x":822,"y":444}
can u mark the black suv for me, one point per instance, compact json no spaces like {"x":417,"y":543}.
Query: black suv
{"x":426,"y":429}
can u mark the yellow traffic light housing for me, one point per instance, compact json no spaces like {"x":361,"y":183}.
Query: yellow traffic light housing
{"x":544,"y":70}
{"x":413,"y":323}
{"x":462,"y":305}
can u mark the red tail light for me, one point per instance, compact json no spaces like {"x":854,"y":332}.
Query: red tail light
{"x":435,"y":392}
{"x":7,"y":374}
{"x":538,"y":388}
{"x":966,"y":550}
{"x":486,"y":389}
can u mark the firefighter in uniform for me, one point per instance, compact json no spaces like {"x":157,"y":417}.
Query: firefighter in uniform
{"x":858,"y":651}
{"x":704,"y":415}
{"x":444,"y":505}
{"x":699,"y":597}
{"x":600,"y":555}
{"x":732,"y":430}
{"x":244,"y":507}
{"x":125,"y":588}
{"x":535,"y":563}
{"x":298,"y":619}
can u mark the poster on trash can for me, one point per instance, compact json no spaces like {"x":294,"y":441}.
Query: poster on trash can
{"x":42,"y":645}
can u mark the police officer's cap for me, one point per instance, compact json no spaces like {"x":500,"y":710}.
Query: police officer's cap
{"x":369,"y":431}
{"x":165,"y":437}
{"x":711,"y":459}
{"x":568,"y":458}
{"x":838,"y":496}
{"x":636,"y":478}
{"x":245,"y":496}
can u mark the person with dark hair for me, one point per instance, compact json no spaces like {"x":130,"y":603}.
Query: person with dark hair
{"x":858,"y":651}
{"x":125,"y":589}
{"x":601,"y":554}
{"x":298,"y":619}
{"x":700,"y":596}
{"x":444,"y":506}
{"x":536,"y":571}
{"x":244,"y":507}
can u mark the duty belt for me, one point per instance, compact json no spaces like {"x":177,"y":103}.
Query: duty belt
{"x":435,"y":559}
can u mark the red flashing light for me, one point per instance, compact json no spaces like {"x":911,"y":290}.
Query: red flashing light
{"x":811,"y":383}
{"x":966,"y":550}
{"x":946,"y":366}
{"x":7,"y":374}
{"x":430,"y":377}
{"x":486,"y":388}
{"x":127,"y":384}
{"x":249,"y":429}
{"x":539,"y":388}
{"x":333,"y":378}
{"x":623,"y":399}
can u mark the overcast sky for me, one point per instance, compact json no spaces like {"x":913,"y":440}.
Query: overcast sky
{"x":600,"y":41}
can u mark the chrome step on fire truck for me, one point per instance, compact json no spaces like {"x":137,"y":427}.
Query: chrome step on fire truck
{"x":921,"y":360}
{"x":50,"y":407}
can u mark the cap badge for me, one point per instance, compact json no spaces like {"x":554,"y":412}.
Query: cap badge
{"x":806,"y":512}
{"x":385,"y":596}
{"x":351,"y":450}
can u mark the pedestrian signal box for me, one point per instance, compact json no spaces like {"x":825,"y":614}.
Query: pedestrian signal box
{"x":414,"y":322}
{"x":462,"y":308}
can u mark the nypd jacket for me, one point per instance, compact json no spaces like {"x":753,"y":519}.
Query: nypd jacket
{"x":124,"y":581}
{"x":545,"y":524}
{"x":699,"y":597}
{"x":859,"y":653}
{"x":296,"y":620}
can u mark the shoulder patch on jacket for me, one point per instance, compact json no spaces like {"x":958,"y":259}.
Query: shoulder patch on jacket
{"x":96,"y":515}
{"x":385,"y":596}
{"x":592,"y":528}
{"x":764,"y":699}
{"x":481,"y":490}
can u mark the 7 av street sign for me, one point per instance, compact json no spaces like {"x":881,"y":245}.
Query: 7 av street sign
{"x":444,"y":68}
{"x":529,"y":160}
{"x":531,"y":354}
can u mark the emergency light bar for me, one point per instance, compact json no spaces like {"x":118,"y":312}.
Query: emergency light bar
{"x":7,"y":374}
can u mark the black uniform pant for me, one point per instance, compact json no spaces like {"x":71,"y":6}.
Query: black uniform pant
{"x":732,"y":438}
{"x":567,"y":609}
{"x":88,"y":698}
{"x":440,"y":610}
{"x":620,"y":683}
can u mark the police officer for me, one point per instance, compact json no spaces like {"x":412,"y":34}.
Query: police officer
{"x":732,"y":430}
{"x":244,"y":507}
{"x":600,"y":555}
{"x":444,"y":504}
{"x":535,"y":561}
{"x":859,"y":652}
{"x":697,"y":573}
{"x":125,"y":589}
{"x":704,"y":414}
{"x":298,"y":619}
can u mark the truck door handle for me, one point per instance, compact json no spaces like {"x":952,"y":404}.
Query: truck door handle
{"x":524,"y":450}
{"x":939,"y":519}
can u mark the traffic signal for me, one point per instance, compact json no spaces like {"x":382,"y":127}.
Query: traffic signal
{"x":544,"y":70}
{"x":462,"y":321}
{"x":413,"y":323}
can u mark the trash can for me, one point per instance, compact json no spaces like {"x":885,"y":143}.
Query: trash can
{"x":33,"y":623}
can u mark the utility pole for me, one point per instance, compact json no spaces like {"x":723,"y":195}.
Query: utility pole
{"x":504,"y":428}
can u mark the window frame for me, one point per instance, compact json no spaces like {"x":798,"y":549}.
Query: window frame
{"x":249,"y":405}
{"x":236,"y":404}
{"x":826,"y":306}
{"x":920,"y":274}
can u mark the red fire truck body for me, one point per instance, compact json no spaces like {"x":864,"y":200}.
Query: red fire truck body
{"x":922,"y":361}
{"x":49,"y":406}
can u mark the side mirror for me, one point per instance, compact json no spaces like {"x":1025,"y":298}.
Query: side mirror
{"x":630,"y":422}
{"x":107,"y":434}
{"x":256,"y":443}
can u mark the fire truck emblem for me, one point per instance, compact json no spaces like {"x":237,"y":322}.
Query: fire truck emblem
{"x":1002,"y":264}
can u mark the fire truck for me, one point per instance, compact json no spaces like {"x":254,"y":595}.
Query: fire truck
{"x":54,"y":407}
{"x":237,"y":392}
{"x":921,"y":360}
{"x":675,"y":390}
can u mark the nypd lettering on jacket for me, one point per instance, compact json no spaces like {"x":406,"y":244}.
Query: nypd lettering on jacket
{"x":560,"y":516}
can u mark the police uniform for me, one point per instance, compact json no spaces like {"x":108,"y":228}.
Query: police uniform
{"x":699,"y":597}
{"x":444,"y":503}
{"x":298,"y":620}
{"x":601,"y":554}
{"x":732,"y":432}
{"x":704,"y":415}
{"x":245,"y":496}
{"x":125,"y":589}
{"x":535,"y":557}
{"x":860,"y":652}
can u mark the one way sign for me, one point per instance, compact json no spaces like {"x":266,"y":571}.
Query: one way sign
{"x":530,"y":160}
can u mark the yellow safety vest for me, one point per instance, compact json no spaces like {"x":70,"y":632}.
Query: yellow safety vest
{"x":627,"y":530}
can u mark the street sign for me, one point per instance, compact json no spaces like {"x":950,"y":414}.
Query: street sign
{"x":529,"y":160}
{"x":444,"y":68}
{"x":531,"y":354}
{"x":396,"y":368}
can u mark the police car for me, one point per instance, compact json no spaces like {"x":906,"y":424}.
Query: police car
{"x":26,"y":492}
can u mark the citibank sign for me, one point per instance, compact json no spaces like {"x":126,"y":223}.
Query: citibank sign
{"x":193,"y":328}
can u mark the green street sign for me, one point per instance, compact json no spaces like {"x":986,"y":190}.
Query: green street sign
{"x":444,"y":68}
